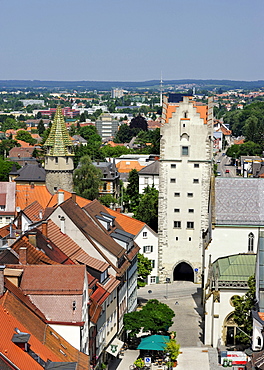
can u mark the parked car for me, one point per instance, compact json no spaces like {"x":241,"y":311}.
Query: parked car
{"x":218,"y":161}
{"x":227,"y":171}
{"x":218,"y":173}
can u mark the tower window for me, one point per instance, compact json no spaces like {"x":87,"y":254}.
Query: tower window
{"x":191,"y":210}
{"x":189,"y":195}
{"x":177,"y":224}
{"x":190,"y":225}
{"x":196,"y":181}
{"x":185,"y":150}
{"x":173,"y":181}
{"x":176,"y":210}
{"x":196,"y":165}
{"x":176,"y":238}
{"x":173,"y":165}
{"x":56,"y":160}
{"x":250,"y":242}
{"x":176,"y":194}
{"x":190,"y":239}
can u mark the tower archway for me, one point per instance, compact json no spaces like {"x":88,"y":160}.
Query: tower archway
{"x":183,"y":271}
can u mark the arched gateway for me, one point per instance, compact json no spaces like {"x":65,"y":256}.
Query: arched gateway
{"x":183,"y":271}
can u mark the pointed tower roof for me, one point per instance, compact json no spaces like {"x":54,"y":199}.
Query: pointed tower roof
{"x":59,"y":141}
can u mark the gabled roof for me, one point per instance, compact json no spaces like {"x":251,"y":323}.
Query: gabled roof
{"x":71,"y":249}
{"x":57,"y":279}
{"x":151,"y":169}
{"x":20,"y":306}
{"x":13,"y":352}
{"x":34,"y":256}
{"x":88,"y":228}
{"x":34,"y":211}
{"x":27,"y":194}
{"x":129,"y":224}
{"x":59,"y":139}
{"x":79,"y":200}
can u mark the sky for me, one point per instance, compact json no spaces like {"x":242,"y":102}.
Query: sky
{"x":124,"y":40}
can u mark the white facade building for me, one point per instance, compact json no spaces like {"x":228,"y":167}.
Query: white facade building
{"x":185,"y":172}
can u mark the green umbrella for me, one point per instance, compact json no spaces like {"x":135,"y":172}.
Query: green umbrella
{"x":154,"y":343}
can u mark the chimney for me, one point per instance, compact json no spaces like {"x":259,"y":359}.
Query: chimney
{"x":23,"y":255}
{"x":62,"y":224}
{"x":60,"y":197}
{"x":45,"y":228}
{"x":74,"y":197}
{"x":2,"y":280}
{"x":32,"y":238}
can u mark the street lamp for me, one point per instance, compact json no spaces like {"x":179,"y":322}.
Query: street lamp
{"x":167,"y":283}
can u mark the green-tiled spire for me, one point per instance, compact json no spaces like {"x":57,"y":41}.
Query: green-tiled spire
{"x":58,"y":142}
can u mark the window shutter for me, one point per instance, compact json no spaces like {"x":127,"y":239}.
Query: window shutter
{"x":151,"y":248}
{"x":144,"y":249}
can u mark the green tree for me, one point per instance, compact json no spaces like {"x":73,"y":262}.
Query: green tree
{"x":125,"y":134}
{"x":116,"y":151}
{"x":173,"y":348}
{"x":25,"y":136}
{"x":156,"y":316}
{"x":133,"y":323}
{"x":6,"y":145}
{"x":87,"y":179}
{"x":5,"y":168}
{"x":41,"y":127}
{"x":147,"y":209}
{"x":133,"y":189}
{"x":242,"y":315}
{"x":94,"y":142}
{"x":144,"y":268}
{"x":107,"y":200}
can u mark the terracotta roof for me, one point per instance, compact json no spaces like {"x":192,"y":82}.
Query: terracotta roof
{"x":72,"y":249}
{"x":170,"y":109}
{"x":111,"y":284}
{"x":95,"y":310}
{"x":87,"y":227}
{"x":13,"y":352}
{"x":57,"y":279}
{"x":128,"y":165}
{"x":34,"y":211}
{"x":239,"y":142}
{"x":34,"y":256}
{"x":20,"y":306}
{"x":129,"y":224}
{"x":100,"y":295}
{"x":4,"y":231}
{"x":27,"y":194}
{"x":79,"y":200}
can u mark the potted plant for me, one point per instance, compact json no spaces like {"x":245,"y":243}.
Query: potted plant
{"x":173,"y":349}
{"x":140,"y":363}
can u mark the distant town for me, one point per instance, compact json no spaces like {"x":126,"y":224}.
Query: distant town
{"x":130,"y":215}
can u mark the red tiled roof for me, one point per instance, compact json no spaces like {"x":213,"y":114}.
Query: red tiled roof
{"x":72,"y":249}
{"x":67,"y":195}
{"x":27,"y":194}
{"x":15,"y":354}
{"x":34,"y":211}
{"x":56,"y":279}
{"x":34,"y":256}
{"x":127,"y":166}
{"x":129,"y":224}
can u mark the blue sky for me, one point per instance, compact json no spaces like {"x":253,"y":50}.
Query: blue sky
{"x":124,"y":40}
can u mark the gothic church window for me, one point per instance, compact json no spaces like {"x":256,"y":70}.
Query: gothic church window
{"x":250,"y":242}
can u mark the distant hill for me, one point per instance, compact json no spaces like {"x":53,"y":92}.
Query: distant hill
{"x":108,"y":85}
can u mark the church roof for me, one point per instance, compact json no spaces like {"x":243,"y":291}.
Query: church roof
{"x":59,"y":139}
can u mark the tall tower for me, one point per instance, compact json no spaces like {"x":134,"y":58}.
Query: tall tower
{"x":161,"y":90}
{"x":59,"y":156}
{"x":185,"y":172}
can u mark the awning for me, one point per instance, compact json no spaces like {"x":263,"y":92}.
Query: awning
{"x":154,"y":343}
{"x":114,"y":347}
